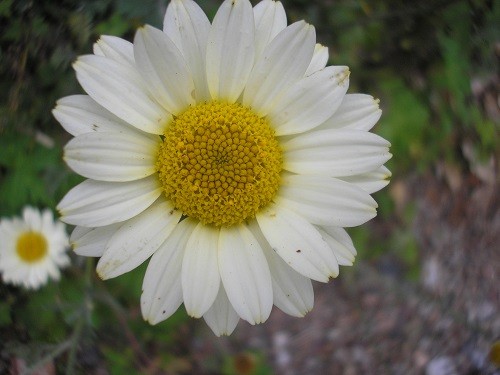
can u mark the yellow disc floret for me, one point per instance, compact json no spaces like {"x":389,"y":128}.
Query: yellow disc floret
{"x":31,"y":246}
{"x":219,"y":163}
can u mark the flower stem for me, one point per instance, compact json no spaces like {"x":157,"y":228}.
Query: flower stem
{"x":83,"y":319}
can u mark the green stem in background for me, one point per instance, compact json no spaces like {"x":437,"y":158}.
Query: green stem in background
{"x":83,"y":321}
{"x":84,"y":317}
{"x":121,"y":315}
{"x":75,"y":338}
{"x":58,"y":350}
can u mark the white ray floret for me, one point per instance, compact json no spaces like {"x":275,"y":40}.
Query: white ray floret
{"x":319,"y":59}
{"x":230,"y":50}
{"x":116,"y":49}
{"x":80,"y":114}
{"x":221,"y":317}
{"x":162,"y":286}
{"x":335,"y":152}
{"x":200,"y":270}
{"x":245,"y":274}
{"x":91,"y":242}
{"x":137,"y":239}
{"x":356,"y":111}
{"x":187,"y":26}
{"x":102,"y":79}
{"x":164,"y":69}
{"x":112,"y":157}
{"x":270,"y":20}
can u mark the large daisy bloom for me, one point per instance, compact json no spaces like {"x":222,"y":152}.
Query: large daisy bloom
{"x":229,"y":153}
{"x":32,"y":248}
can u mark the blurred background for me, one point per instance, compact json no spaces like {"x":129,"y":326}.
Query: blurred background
{"x":424,"y":294}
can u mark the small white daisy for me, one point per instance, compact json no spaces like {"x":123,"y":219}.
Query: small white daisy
{"x":32,"y":249}
{"x":227,"y":151}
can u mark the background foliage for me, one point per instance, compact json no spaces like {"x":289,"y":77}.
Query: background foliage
{"x":433,"y":64}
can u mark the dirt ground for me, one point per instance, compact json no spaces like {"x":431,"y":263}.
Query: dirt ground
{"x":374,"y":320}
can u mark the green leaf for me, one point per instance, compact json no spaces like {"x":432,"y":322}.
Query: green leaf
{"x":405,"y":123}
{"x":5,"y":318}
{"x":5,"y":8}
{"x":116,"y":25}
{"x":31,"y":173}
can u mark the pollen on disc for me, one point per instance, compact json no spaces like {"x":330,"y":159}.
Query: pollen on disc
{"x":219,"y":163}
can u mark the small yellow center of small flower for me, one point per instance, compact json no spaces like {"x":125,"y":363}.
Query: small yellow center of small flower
{"x":31,"y":246}
{"x":219,"y":163}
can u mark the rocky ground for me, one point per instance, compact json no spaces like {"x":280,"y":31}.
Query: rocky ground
{"x":373,"y":320}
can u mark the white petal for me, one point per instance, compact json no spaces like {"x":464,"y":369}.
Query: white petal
{"x":102,"y":156}
{"x":47,"y":220}
{"x":310,"y":101}
{"x":319,"y":59}
{"x":297,"y":242}
{"x":164,"y":69}
{"x":11,"y":228}
{"x":90,"y":242}
{"x":221,"y":317}
{"x":115,"y":48}
{"x":292,"y":292}
{"x":357,"y":112}
{"x":98,"y":203}
{"x":230,"y":50}
{"x":335,"y":152}
{"x":326,"y":200}
{"x":270,"y":19}
{"x":188,"y":27}
{"x":120,"y":90}
{"x":161,"y":288}
{"x":200,"y":272}
{"x":370,"y":182}
{"x":283,"y":62}
{"x":80,"y":114}
{"x":340,"y":243}
{"x":32,"y":218}
{"x":245,"y":274}
{"x":137,"y":239}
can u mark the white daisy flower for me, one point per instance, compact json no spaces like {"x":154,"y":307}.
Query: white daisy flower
{"x":32,"y":249}
{"x":227,"y":151}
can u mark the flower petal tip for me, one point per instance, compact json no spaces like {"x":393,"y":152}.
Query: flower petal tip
{"x":193,"y":314}
{"x":333,"y":275}
{"x":62,"y":215}
{"x":303,"y":313}
{"x":78,"y":62}
{"x":100,"y":272}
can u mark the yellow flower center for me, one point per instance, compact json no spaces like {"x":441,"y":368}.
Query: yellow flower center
{"x":31,"y":246}
{"x":219,"y":163}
